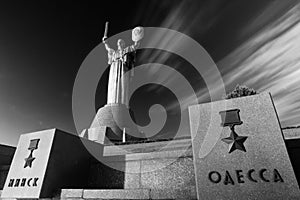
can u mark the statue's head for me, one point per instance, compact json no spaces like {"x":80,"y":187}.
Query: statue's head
{"x":121,"y":44}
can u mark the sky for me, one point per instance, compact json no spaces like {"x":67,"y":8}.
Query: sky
{"x":43,"y":44}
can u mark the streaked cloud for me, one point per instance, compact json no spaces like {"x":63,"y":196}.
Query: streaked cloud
{"x":267,"y":59}
{"x":269,"y":62}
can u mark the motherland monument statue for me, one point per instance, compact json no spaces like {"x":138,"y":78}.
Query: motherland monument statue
{"x":113,"y":120}
{"x":121,"y":61}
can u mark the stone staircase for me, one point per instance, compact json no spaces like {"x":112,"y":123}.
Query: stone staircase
{"x":105,"y":194}
{"x":109,"y":194}
{"x":118,"y":194}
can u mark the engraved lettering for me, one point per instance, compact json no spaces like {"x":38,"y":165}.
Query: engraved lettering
{"x":28,"y":182}
{"x":228,"y":179}
{"x":277,"y":176}
{"x":214,"y":176}
{"x":239,"y":176}
{"x":23,"y":182}
{"x":249,"y":175}
{"x":261,"y":175}
{"x":17,"y":182}
{"x":11,"y":182}
{"x":35,"y":182}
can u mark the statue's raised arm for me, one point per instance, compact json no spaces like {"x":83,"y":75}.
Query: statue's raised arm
{"x":107,"y":47}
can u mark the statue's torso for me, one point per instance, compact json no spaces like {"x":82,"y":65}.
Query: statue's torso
{"x":117,"y":55}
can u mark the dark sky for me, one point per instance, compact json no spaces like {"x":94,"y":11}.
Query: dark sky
{"x":43,"y":43}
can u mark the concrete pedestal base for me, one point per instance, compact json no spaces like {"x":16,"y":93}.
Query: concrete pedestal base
{"x":165,"y":168}
{"x":111,"y":122}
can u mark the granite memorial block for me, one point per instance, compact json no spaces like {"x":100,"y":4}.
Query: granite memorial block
{"x":6,"y":155}
{"x":239,"y":150}
{"x":47,"y":161}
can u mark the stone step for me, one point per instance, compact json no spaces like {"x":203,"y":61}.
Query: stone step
{"x":106,"y":194}
{"x":122,"y":194}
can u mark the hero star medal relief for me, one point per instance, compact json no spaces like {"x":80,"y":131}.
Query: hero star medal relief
{"x":231,"y":118}
{"x":32,"y":146}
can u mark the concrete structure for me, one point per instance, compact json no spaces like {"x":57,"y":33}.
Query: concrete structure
{"x":176,"y":181}
{"x":110,"y":123}
{"x":239,"y":150}
{"x":186,"y":173}
{"x":6,"y":156}
{"x":46,"y":161}
{"x":148,"y":170}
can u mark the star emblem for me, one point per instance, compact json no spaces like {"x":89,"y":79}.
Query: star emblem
{"x":235,"y":141}
{"x":29,"y":160}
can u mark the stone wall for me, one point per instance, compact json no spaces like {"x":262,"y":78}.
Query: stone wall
{"x":291,"y":133}
{"x":3,"y":174}
{"x":165,"y":169}
{"x":6,"y":156}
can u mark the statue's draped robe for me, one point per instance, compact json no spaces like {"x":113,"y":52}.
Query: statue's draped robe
{"x":118,"y":85}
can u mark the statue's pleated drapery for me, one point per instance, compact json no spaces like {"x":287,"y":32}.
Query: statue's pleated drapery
{"x":118,"y":85}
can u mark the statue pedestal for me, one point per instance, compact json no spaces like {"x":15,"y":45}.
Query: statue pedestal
{"x":111,"y":122}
